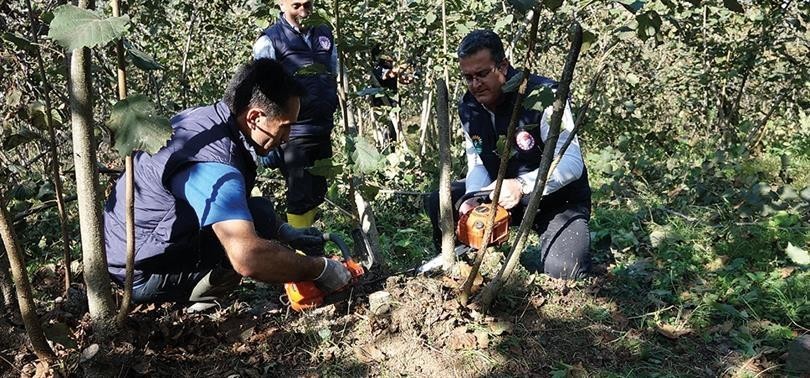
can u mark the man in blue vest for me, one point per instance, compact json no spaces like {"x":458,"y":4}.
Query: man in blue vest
{"x":197,"y":230}
{"x":309,"y":54}
{"x":485,"y":112}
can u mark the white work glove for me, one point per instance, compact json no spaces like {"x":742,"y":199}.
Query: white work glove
{"x":334,"y":277}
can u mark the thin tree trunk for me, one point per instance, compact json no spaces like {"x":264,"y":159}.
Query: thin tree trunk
{"x":129,"y":214}
{"x":561,"y":97}
{"x":445,"y":170}
{"x":24,"y":295}
{"x":424,"y":121}
{"x":7,"y":288}
{"x":364,"y":211}
{"x":96,"y":278}
{"x":510,"y":141}
{"x":54,"y":166}
{"x":444,"y":42}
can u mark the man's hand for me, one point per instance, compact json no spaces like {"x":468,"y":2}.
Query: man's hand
{"x":334,"y":277}
{"x":307,"y":240}
{"x":468,"y":205}
{"x":510,"y":193}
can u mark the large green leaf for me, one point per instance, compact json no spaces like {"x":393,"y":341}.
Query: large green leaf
{"x":797,"y":255}
{"x":21,"y":42}
{"x":369,"y":191}
{"x":513,"y":83}
{"x":73,"y":27}
{"x":365,"y":157}
{"x":539,"y":98}
{"x":141,"y":59}
{"x":137,"y":126}
{"x":326,"y":168}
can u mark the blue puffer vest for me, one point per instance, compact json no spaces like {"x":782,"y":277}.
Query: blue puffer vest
{"x":316,"y":116}
{"x":166,"y":230}
{"x":477,"y":122}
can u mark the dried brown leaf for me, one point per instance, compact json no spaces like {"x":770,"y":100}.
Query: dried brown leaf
{"x":671,"y":332}
{"x":461,"y":340}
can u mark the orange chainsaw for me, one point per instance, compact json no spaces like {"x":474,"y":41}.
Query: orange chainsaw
{"x":470,"y":227}
{"x":305,"y":295}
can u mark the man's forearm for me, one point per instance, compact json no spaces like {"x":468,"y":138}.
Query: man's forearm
{"x":270,"y":261}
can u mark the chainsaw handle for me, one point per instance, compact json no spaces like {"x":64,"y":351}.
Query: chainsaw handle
{"x":483,"y":194}
{"x":335,"y":238}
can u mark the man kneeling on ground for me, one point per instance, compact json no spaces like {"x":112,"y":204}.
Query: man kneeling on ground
{"x":197,"y":230}
{"x":485,"y":111}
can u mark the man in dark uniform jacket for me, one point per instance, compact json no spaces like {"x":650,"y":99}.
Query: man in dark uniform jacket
{"x":485,"y":111}
{"x":309,"y":54}
{"x":197,"y":229}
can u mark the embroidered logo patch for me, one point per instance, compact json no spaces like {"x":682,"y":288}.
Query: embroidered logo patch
{"x":324,"y":42}
{"x":478,"y":146}
{"x":524,"y":140}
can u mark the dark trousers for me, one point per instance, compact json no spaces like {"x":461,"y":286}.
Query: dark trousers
{"x":212,"y":265}
{"x":562,"y":227}
{"x":305,"y":191}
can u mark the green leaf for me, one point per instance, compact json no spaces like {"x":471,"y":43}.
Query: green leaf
{"x":313,"y":69}
{"x":20,"y":138}
{"x":141,"y":59}
{"x":503,"y":22}
{"x":430,"y":18}
{"x":326,"y":168}
{"x":13,"y":98}
{"x":368,"y":191}
{"x":632,"y":5}
{"x":588,"y":38}
{"x":552,"y":5}
{"x":315,"y":19}
{"x":523,"y":5}
{"x":649,"y":24}
{"x":73,"y":27}
{"x":797,"y":255}
{"x":36,"y":111}
{"x":365,"y":156}
{"x":513,"y":83}
{"x":539,"y":98}
{"x":733,"y":6}
{"x":21,"y":42}
{"x":136,"y":125}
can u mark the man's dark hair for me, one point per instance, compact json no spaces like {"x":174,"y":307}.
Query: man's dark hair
{"x":478,"y":40}
{"x":262,"y":83}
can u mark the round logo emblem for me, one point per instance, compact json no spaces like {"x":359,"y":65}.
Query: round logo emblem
{"x":324,"y":42}
{"x":524,"y":140}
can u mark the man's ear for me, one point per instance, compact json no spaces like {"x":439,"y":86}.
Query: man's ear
{"x":503,"y":65}
{"x":253,"y":115}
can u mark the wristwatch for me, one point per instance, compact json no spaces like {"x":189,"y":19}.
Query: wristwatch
{"x":524,"y":187}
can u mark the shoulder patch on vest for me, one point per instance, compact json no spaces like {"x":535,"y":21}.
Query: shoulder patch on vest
{"x":324,"y":42}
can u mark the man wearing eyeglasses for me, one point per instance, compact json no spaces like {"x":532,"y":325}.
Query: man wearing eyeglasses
{"x":485,"y":112}
{"x":308,"y":53}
